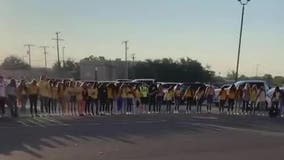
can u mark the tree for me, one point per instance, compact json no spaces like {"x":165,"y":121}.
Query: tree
{"x":70,"y":67}
{"x":13,"y":62}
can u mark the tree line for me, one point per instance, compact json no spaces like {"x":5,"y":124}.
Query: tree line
{"x":165,"y":69}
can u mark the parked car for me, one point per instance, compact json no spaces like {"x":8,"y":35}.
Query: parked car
{"x":147,"y":81}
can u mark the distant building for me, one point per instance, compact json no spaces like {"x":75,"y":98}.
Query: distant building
{"x":102,"y":70}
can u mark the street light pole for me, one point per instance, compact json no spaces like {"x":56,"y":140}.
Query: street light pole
{"x":243,"y":3}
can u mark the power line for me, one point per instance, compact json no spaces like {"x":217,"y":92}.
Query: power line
{"x":57,"y":39}
{"x":29,"y":51}
{"x":45,"y":53}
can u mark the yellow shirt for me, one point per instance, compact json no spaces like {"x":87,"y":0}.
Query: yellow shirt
{"x":169,"y":95}
{"x":33,"y":89}
{"x":130,"y":93}
{"x":43,"y":88}
{"x":188,"y":94}
{"x":124,"y":92}
{"x":79,"y":91}
{"x":54,"y":92}
{"x":137,"y":94}
{"x":253,"y":95}
{"x":93,"y":93}
{"x":231,"y":94}
{"x":223,"y":95}
{"x":61,"y":93}
{"x":110,"y":94}
{"x":49,"y":91}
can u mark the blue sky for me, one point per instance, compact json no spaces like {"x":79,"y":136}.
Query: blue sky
{"x":204,"y":30}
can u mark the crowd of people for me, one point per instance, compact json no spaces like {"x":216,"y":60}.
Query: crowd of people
{"x":79,"y":98}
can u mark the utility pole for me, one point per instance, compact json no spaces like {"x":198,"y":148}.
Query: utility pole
{"x":29,"y":52}
{"x":63,"y":56}
{"x":57,"y":39}
{"x":45,"y":53}
{"x":126,"y":61}
{"x":133,"y":57}
{"x":243,"y":3}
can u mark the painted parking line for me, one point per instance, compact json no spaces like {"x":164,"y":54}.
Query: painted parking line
{"x":258,"y":131}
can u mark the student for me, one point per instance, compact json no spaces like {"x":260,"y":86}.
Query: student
{"x":103,"y":98}
{"x":119,"y":103}
{"x":43,"y":94}
{"x":222,"y":99}
{"x":199,"y":97}
{"x":22,"y":94}
{"x":209,"y":93}
{"x":73,"y":99}
{"x":246,"y":99}
{"x":33,"y":91}
{"x":137,"y":99}
{"x":253,"y":98}
{"x":85,"y":99}
{"x":93,"y":96}
{"x":54,"y":97}
{"x":231,"y":99}
{"x":61,"y":98}
{"x":153,"y":90}
{"x":79,"y":97}
{"x":239,"y":99}
{"x":188,"y":97}
{"x":282,"y":103}
{"x":169,"y":97}
{"x":159,"y":98}
{"x":2,"y":95}
{"x":144,"y":90}
{"x":275,"y":99}
{"x":110,"y":97}
{"x":130,"y":97}
{"x":49,"y":96}
{"x":261,"y":99}
{"x":177,"y":98}
{"x":11,"y":91}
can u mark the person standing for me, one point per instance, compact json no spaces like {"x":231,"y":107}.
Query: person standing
{"x":177,"y":98}
{"x":169,"y":97}
{"x":160,"y":95}
{"x":22,"y":93}
{"x":2,"y":95}
{"x":253,"y":98}
{"x":130,"y":97}
{"x":61,"y":98}
{"x":209,"y":93}
{"x":231,"y":99}
{"x":11,"y":91}
{"x":137,"y":99}
{"x":110,"y":97}
{"x":222,"y":99}
{"x":282,"y":103}
{"x":188,"y":97}
{"x":54,"y":97}
{"x":152,"y":98}
{"x":199,"y":98}
{"x":239,"y":99}
{"x":33,"y":91}
{"x":93,"y":96}
{"x":144,"y":90}
{"x":43,"y":94}
{"x":246,"y":99}
{"x":103,"y":98}
{"x":261,"y":100}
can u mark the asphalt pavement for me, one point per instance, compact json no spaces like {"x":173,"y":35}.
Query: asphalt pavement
{"x":142,"y":137}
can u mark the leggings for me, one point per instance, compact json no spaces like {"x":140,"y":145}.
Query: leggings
{"x":2,"y":105}
{"x":169,"y":105}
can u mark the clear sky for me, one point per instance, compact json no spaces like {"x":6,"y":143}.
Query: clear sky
{"x":205,"y":30}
